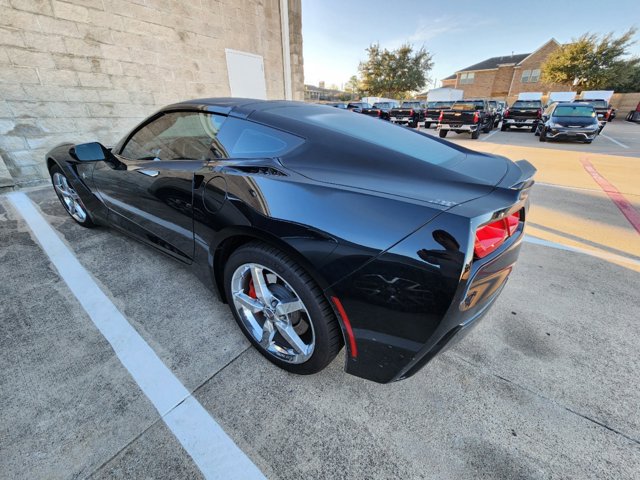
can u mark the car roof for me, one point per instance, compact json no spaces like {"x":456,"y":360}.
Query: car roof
{"x":238,"y":107}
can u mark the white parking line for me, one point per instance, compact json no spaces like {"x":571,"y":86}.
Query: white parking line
{"x":614,"y":141}
{"x":215,"y":454}
{"x":585,"y":251}
{"x":492,"y":133}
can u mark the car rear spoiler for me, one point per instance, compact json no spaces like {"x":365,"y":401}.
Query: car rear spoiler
{"x":519,"y":177}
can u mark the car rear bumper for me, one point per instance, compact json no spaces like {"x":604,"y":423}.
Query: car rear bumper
{"x":526,"y":122}
{"x":401,"y":119}
{"x":458,"y":127}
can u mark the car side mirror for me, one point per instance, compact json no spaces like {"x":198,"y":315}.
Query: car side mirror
{"x":90,"y":152}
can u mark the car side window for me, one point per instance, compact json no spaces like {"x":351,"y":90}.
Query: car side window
{"x":246,"y":139}
{"x":177,"y":136}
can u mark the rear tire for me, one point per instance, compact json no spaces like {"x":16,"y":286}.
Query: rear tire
{"x":69,"y":198}
{"x":301,"y":341}
{"x":427,"y":125}
{"x":443,"y":133}
{"x":487,"y":128}
{"x":543,"y":135}
{"x":503,"y":127}
{"x":475,"y":134}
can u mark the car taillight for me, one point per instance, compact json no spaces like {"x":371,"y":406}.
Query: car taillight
{"x":506,"y":113}
{"x":539,"y":113}
{"x":379,"y":113}
{"x":476,"y":117}
{"x":608,"y":114}
{"x":411,"y":113}
{"x":441,"y":115}
{"x":490,"y":237}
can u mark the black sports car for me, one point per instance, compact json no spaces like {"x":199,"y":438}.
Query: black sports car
{"x":318,"y":227}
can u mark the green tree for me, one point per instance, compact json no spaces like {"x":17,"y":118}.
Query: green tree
{"x":628,"y":79}
{"x":352,"y":87}
{"x":590,"y":62}
{"x":395,"y":73}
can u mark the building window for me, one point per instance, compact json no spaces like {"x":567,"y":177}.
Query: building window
{"x":466,"y":78}
{"x":530,"y":76}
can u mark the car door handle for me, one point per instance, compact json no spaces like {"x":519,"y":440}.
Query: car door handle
{"x":148,"y":173}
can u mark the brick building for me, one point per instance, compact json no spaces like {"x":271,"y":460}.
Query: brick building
{"x":83,"y":70}
{"x":507,"y":76}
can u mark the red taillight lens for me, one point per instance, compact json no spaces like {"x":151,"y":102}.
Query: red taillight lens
{"x":476,"y":117}
{"x":506,"y":113}
{"x":441,"y":116}
{"x":490,"y":237}
{"x":379,"y":113}
{"x":411,"y":113}
{"x":539,"y":113}
{"x":608,"y":114}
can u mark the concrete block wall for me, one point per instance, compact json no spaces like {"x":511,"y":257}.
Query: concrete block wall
{"x":84,"y":70}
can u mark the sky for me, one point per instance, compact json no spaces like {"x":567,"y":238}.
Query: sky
{"x":335,"y":33}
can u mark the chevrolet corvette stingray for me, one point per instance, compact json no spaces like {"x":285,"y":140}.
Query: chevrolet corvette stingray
{"x":319,"y":228}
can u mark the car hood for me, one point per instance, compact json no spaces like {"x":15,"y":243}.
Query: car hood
{"x":575,"y":121}
{"x":466,"y":176}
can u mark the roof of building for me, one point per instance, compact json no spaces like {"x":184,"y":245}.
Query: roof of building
{"x":493,"y":62}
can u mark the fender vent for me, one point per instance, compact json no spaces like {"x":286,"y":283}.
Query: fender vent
{"x":267,"y":171}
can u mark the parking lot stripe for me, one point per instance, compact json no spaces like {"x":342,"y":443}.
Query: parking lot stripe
{"x":487,"y":136}
{"x":570,"y":248}
{"x":213,"y":451}
{"x":614,"y":194}
{"x":614,"y":140}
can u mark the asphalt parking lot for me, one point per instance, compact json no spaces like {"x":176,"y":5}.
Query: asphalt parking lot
{"x":547,"y":386}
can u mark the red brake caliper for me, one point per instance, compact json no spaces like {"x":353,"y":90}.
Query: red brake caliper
{"x":252,"y":289}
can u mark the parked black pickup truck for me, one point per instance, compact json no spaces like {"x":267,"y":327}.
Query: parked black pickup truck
{"x":523,"y":113}
{"x":432,"y":112}
{"x":466,"y":116}
{"x":410,"y":113}
{"x":603,"y":110}
{"x":358,"y":106}
{"x":380,"y":110}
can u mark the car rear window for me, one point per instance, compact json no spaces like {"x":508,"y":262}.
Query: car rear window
{"x":574,"y":111}
{"x":527,"y":104}
{"x":372,"y":130}
{"x":439,"y":104}
{"x":467,"y":106}
{"x":245,"y":139}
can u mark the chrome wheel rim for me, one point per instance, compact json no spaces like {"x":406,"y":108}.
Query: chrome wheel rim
{"x":69,"y":197}
{"x":273,"y":313}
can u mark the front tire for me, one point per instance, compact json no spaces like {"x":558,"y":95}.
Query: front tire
{"x":543,"y":135}
{"x":69,"y":198}
{"x":281,"y":310}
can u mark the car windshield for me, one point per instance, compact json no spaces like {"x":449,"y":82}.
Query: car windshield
{"x":574,"y":111}
{"x":383,"y":134}
{"x":527,"y":104}
{"x":468,"y":106}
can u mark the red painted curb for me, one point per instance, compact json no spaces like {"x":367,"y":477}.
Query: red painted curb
{"x":614,"y":194}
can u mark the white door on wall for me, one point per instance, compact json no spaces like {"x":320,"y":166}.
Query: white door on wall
{"x":246,"y":74}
